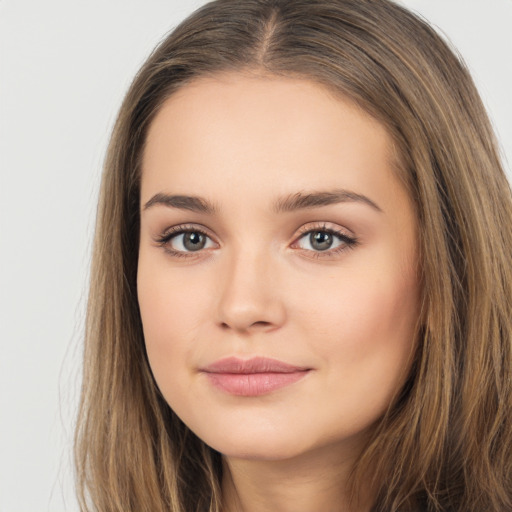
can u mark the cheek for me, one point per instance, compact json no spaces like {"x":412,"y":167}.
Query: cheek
{"x":364,"y":330}
{"x":172,"y":311}
{"x":356,"y":302}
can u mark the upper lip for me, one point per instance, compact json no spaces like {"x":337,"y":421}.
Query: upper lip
{"x":253,"y":365}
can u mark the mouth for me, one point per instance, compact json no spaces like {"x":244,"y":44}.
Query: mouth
{"x":252,"y":377}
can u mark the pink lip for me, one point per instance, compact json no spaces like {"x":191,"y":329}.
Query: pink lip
{"x":252,"y":377}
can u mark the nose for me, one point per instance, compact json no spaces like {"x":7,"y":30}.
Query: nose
{"x":250,"y":299}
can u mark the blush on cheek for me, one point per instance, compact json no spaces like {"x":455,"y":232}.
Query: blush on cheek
{"x":377,"y":318}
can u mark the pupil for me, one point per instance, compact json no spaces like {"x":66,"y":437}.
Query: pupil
{"x":194,"y":241}
{"x":320,"y":240}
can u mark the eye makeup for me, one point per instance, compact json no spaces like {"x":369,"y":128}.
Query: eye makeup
{"x":323,"y":241}
{"x":318,"y":240}
{"x":185,"y":241}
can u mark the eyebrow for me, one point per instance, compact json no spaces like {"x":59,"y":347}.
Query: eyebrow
{"x":192,"y":203}
{"x":306,"y":200}
{"x":290,"y":203}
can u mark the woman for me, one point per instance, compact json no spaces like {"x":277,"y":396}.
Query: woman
{"x":301,"y":281}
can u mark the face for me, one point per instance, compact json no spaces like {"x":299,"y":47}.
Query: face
{"x":277,"y":276}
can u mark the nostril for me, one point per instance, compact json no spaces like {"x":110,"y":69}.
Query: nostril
{"x":260,"y":324}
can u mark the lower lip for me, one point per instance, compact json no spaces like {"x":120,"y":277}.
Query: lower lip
{"x":254,"y":384}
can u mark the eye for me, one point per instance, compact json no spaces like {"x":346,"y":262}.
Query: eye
{"x":189,"y":241}
{"x":181,"y":240}
{"x":325,"y":240}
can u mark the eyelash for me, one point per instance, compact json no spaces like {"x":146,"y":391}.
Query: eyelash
{"x":348,"y":242}
{"x":170,"y":233}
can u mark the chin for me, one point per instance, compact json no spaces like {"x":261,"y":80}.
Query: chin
{"x":256,"y":445}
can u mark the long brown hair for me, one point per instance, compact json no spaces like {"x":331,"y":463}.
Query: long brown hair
{"x":446,"y":441}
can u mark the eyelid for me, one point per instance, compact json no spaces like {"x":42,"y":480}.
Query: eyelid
{"x":324,"y":226}
{"x":169,"y":233}
{"x":349,"y":241}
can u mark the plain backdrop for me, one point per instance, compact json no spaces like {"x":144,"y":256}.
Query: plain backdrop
{"x":64,"y":67}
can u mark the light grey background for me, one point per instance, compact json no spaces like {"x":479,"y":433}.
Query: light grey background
{"x":64,"y":67}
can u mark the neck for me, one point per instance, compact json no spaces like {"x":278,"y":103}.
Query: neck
{"x":314,"y":481}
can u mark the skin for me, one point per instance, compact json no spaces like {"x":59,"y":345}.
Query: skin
{"x":260,"y":288}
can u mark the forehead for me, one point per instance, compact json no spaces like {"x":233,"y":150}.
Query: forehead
{"x":264,"y":133}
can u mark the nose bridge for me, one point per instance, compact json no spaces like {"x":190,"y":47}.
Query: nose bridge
{"x":248,"y":296}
